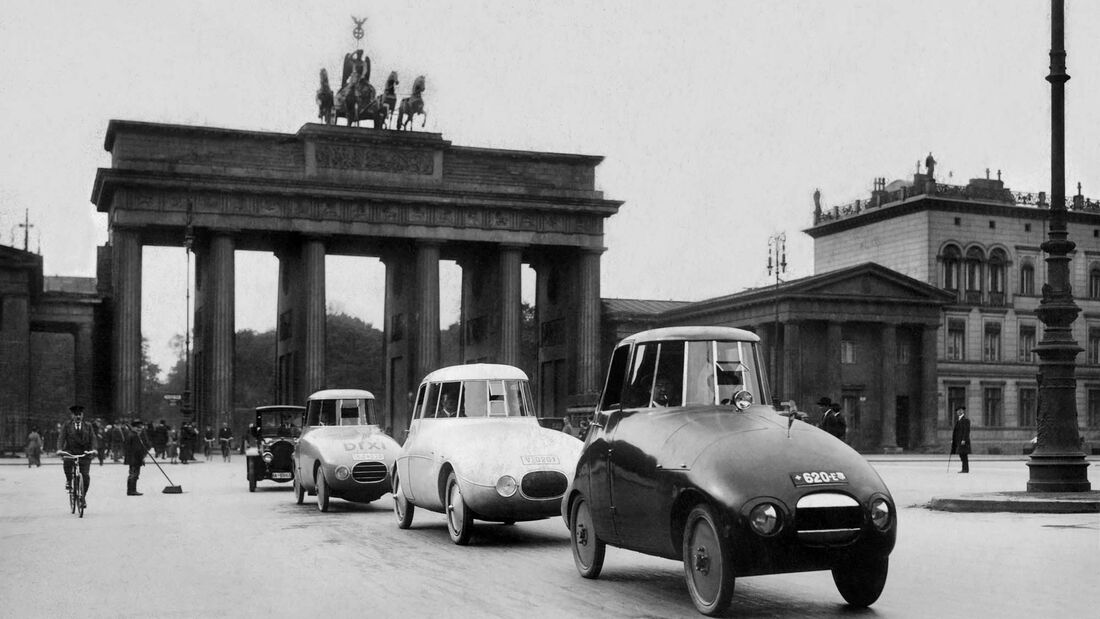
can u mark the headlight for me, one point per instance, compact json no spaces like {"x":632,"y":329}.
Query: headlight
{"x":742,"y":400}
{"x":764,"y":519}
{"x":506,"y":486}
{"x":268,"y":457}
{"x":880,"y":514}
{"x":342,"y":472}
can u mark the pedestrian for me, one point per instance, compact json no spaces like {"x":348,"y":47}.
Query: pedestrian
{"x":118,"y":439}
{"x":960,"y":438}
{"x":134,"y":456}
{"x":101,"y":444}
{"x":567,"y":427}
{"x":208,"y":444}
{"x":187,"y":442}
{"x":77,"y":437}
{"x":34,"y":448}
{"x":159,"y":438}
{"x":831,"y":419}
{"x":172,"y":448}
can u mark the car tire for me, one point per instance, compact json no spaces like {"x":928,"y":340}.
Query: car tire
{"x":323,"y":494}
{"x":251,"y":468}
{"x":588,"y":550}
{"x":459,"y":518}
{"x":401,"y":506}
{"x":708,"y":568}
{"x":860,"y":582}
{"x":299,"y":489}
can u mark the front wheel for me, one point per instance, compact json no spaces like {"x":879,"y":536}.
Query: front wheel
{"x":588,"y":550}
{"x":861,"y":581}
{"x":251,"y":467}
{"x":78,"y":486}
{"x":299,"y":489}
{"x":401,"y":506}
{"x":72,"y":497}
{"x":459,"y":519}
{"x":708,"y":568}
{"x":323,"y":494}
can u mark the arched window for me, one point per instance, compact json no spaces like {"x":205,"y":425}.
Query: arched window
{"x":1027,"y":279}
{"x":1094,"y":282}
{"x":973,"y":268}
{"x":997,"y":264}
{"x":951,"y":260}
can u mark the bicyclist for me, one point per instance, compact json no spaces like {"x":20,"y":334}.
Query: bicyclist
{"x":225,"y":437}
{"x":76,"y":438}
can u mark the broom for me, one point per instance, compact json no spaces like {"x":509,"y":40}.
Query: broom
{"x":170,"y":488}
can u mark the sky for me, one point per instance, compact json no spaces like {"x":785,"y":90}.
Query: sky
{"x":717,"y":119}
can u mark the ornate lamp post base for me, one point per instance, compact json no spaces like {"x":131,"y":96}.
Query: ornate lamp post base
{"x":1058,"y":473}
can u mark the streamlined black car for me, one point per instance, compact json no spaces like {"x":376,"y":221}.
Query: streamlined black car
{"x":276,"y":431}
{"x":686,"y":460}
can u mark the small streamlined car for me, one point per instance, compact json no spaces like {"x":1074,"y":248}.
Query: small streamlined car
{"x":475,"y":450}
{"x":685,"y":460}
{"x":342,"y":453}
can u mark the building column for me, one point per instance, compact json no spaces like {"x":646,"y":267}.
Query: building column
{"x":127,"y":322}
{"x":84,"y":360}
{"x":312,"y":303}
{"x":426,"y":311}
{"x":792,"y":360}
{"x":889,"y":388}
{"x":587,"y":360}
{"x":511,"y":309}
{"x":929,"y":409}
{"x":833,"y":333}
{"x":219,"y":331}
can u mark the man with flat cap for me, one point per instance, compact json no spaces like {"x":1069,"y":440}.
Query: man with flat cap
{"x":77,"y":437}
{"x":831,"y":420}
{"x":134,"y":455}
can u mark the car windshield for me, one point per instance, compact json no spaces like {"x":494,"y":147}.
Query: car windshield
{"x":342,"y":412}
{"x":478,"y":398}
{"x":280,"y":422}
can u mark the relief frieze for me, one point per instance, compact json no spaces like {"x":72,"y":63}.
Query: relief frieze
{"x":396,"y":161}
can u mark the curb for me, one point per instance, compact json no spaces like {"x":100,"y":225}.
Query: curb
{"x":1020,"y":502}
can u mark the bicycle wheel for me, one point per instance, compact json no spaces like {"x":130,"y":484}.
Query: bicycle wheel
{"x":72,"y":497}
{"x":78,"y":490}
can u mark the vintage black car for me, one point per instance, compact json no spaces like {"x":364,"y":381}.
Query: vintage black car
{"x":275,"y":432}
{"x":685,"y":460}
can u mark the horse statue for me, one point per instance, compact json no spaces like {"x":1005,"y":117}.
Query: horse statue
{"x":412,"y":105}
{"x":356,"y":99}
{"x":388,"y":99}
{"x":325,"y":101}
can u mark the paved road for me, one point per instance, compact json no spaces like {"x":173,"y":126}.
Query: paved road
{"x":219,"y":550}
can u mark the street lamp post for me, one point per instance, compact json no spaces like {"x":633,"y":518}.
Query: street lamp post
{"x":1057,"y":463}
{"x":777,"y":264}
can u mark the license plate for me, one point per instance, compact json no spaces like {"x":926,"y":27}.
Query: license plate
{"x":540,"y":459}
{"x":280,"y":476}
{"x":368,"y":456}
{"x":818,"y":478}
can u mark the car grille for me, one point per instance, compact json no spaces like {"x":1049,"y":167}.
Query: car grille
{"x":369,"y":472}
{"x":543,"y":485}
{"x":828,"y":519}
{"x":282,"y":456}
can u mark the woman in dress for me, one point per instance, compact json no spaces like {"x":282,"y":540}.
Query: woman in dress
{"x":173,"y":445}
{"x":34,"y":448}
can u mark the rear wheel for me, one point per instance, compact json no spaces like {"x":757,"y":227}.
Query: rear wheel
{"x":401,"y":506}
{"x":708,"y":568}
{"x":861,"y":581}
{"x":588,"y":550}
{"x":251,"y":467}
{"x":322,"y":490}
{"x":459,"y":519}
{"x":72,"y":496}
{"x":299,"y":489}
{"x":78,"y":487}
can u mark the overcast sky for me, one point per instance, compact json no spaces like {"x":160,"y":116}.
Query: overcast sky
{"x":717,"y":119}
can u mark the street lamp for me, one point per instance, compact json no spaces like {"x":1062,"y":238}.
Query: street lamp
{"x":777,"y":263}
{"x":1057,"y":463}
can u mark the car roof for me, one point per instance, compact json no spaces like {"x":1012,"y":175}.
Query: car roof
{"x":279,"y":407}
{"x":475,"y":371}
{"x":693,"y":333}
{"x":341,"y":394}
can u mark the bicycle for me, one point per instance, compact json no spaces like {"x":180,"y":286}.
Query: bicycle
{"x":225,"y":449}
{"x":208,"y":449}
{"x":76,"y":485}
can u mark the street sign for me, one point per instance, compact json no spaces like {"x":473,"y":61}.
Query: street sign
{"x":174,"y":399}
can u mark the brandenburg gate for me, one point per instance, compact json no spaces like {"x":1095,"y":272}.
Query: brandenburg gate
{"x":408,"y":198}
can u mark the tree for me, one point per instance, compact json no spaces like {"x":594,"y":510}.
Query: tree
{"x":353,"y":355}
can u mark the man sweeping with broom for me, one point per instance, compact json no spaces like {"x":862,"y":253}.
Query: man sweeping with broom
{"x":134,"y":453}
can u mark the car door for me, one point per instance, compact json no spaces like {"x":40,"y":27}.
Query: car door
{"x":417,"y":448}
{"x":593,"y":473}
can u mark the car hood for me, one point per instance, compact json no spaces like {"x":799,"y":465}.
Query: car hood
{"x":350,"y":439}
{"x":754,"y":452}
{"x":481,"y":450}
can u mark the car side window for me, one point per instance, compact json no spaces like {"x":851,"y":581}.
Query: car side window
{"x":327,"y":413}
{"x":448,"y":400}
{"x":474,"y":399}
{"x":513,"y":395}
{"x":668,"y":385}
{"x":432,"y":402}
{"x":349,"y":412}
{"x":613,"y":390}
{"x":639,"y":383}
{"x":498,"y":406}
{"x":418,"y":406}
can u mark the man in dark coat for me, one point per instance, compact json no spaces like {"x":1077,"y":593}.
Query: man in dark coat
{"x":159,"y":438}
{"x":960,"y":438}
{"x":77,"y":437}
{"x":832,"y":421}
{"x":134,"y":456}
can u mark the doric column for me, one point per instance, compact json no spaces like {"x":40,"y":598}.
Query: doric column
{"x":313,"y":314}
{"x":220,"y":328}
{"x":588,"y":324}
{"x":84,"y":360}
{"x":833,"y":334}
{"x":792,"y":359}
{"x":511,"y":309}
{"x":929,"y":409}
{"x":127,"y":322}
{"x":889,"y":387}
{"x":427,"y":307}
